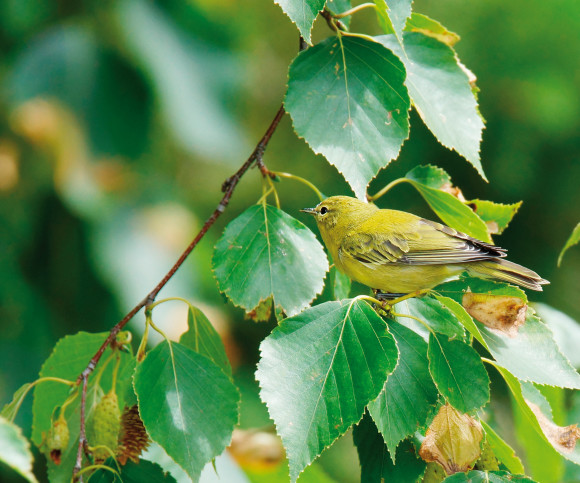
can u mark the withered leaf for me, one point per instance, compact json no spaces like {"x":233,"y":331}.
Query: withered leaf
{"x":452,"y":440}
{"x":262,"y":312}
{"x":563,"y":438}
{"x":500,"y":312}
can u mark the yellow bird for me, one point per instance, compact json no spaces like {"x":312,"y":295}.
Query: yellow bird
{"x":399,"y":253}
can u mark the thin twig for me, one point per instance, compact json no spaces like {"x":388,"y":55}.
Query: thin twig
{"x":228,"y":188}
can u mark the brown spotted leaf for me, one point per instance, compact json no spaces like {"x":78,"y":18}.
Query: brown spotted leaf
{"x":499,"y":312}
{"x":563,"y":438}
{"x":452,"y":440}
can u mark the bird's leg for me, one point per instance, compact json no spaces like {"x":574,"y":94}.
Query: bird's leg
{"x":391,"y":299}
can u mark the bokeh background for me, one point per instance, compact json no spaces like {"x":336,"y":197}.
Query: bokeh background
{"x":120,"y":119}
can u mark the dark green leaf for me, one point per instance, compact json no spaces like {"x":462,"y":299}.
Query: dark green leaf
{"x":203,"y":339}
{"x":143,"y":471}
{"x":302,"y":13}
{"x":440,"y":90}
{"x":458,"y":373}
{"x":498,"y":213}
{"x":409,"y":393}
{"x":376,"y":462}
{"x":486,"y":477}
{"x":502,"y":451}
{"x":461,"y":314}
{"x":15,"y":450}
{"x":347,"y":100}
{"x":573,"y":240}
{"x":456,"y":288}
{"x":433,"y":313}
{"x":427,"y":26}
{"x":69,"y":358}
{"x":319,"y":370}
{"x":266,"y":253}
{"x":187,"y":404}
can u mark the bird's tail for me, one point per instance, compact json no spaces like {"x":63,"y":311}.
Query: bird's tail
{"x":508,"y":272}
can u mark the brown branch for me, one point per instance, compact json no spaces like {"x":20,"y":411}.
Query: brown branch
{"x":228,"y":188}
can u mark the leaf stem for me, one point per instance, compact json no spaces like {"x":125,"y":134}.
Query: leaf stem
{"x":358,"y":35}
{"x":409,"y":316}
{"x":301,"y":180}
{"x":386,"y":188}
{"x":356,"y":9}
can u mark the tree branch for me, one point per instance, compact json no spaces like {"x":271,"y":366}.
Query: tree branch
{"x":228,"y":188}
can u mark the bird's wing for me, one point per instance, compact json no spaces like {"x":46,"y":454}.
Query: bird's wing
{"x":425,"y":243}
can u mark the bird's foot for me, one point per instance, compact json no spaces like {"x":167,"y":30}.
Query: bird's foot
{"x":388,"y":299}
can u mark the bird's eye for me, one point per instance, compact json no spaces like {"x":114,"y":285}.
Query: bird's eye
{"x":323,"y":210}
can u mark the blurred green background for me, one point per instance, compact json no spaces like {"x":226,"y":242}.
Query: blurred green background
{"x":119,"y":120}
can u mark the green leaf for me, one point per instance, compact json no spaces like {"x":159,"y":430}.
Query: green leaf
{"x":341,"y":285}
{"x":203,"y":339}
{"x":573,"y":240}
{"x":302,"y":13}
{"x":458,"y":373}
{"x":10,"y":409}
{"x":427,"y":26}
{"x":340,"y":6}
{"x":15,"y":450}
{"x":429,"y":175}
{"x":502,"y":451}
{"x":486,"y":477}
{"x":133,"y":472}
{"x":266,"y":253}
{"x":531,"y":421}
{"x":392,"y":17}
{"x":319,"y":370}
{"x":532,"y":355}
{"x":441,"y":93}
{"x":68,"y":359}
{"x":452,"y":211}
{"x":461,"y":314}
{"x":491,"y":212}
{"x":433,"y":313}
{"x":409,"y":393}
{"x":376,"y":462}
{"x":187,"y":404}
{"x":347,"y":100}
{"x":543,"y":463}
{"x":565,"y":329}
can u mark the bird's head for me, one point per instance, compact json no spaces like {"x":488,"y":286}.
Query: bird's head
{"x":339,"y":210}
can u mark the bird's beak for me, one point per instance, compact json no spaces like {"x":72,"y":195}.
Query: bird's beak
{"x":312,"y":211}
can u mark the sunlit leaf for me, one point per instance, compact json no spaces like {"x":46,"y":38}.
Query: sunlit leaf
{"x":452,"y":440}
{"x":427,"y":26}
{"x":15,"y":450}
{"x":573,"y":240}
{"x":187,"y":404}
{"x":458,"y":373}
{"x":341,"y":285}
{"x":441,"y":93}
{"x":392,"y":15}
{"x":266,"y":253}
{"x":203,"y":339}
{"x":497,"y":216}
{"x":319,"y":370}
{"x":302,"y":13}
{"x":409,"y":393}
{"x":451,"y":211}
{"x":347,"y":100}
{"x":565,"y":329}
{"x":376,"y":462}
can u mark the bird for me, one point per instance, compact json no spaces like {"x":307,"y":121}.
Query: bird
{"x":398,"y":253}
